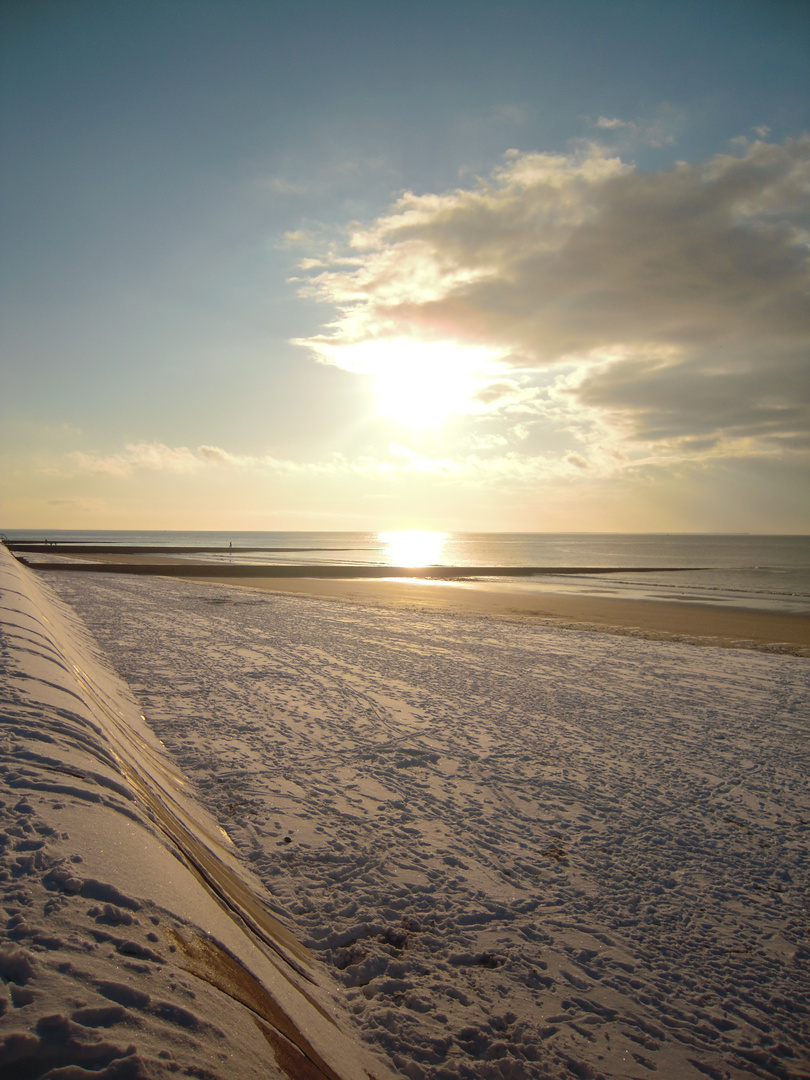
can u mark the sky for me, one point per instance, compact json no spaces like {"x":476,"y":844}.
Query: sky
{"x":451,"y":265}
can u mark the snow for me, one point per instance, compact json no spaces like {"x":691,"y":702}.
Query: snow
{"x":136,"y":943}
{"x":523,"y":851}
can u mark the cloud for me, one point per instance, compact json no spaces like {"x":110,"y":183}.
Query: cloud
{"x":155,"y":456}
{"x":299,"y":238}
{"x":660,"y":130}
{"x":611,"y":123}
{"x":330,"y":172}
{"x":509,"y":114}
{"x":670,"y":306}
{"x":489,"y":462}
{"x":158,"y":457}
{"x":279,"y":186}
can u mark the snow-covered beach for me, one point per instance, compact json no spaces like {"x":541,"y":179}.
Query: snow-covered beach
{"x":520,"y":851}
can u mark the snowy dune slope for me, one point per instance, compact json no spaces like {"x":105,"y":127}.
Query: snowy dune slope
{"x":526,"y":851}
{"x":134,"y":943}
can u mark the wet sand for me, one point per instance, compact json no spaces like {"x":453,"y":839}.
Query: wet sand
{"x":706,"y":624}
{"x":700,"y":623}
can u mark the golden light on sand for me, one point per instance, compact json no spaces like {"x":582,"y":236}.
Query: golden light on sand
{"x":412,"y":547}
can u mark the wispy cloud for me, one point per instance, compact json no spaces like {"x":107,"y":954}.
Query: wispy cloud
{"x":278,"y":185}
{"x":487,"y":465}
{"x":612,"y":123}
{"x":155,"y":456}
{"x":331,"y":171}
{"x":670,"y":307}
{"x":661,"y":129}
{"x":488,"y":461}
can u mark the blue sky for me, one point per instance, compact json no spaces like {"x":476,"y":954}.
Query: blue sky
{"x":439,"y":265}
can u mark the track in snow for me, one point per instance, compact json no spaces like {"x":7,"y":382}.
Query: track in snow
{"x":527,"y":851}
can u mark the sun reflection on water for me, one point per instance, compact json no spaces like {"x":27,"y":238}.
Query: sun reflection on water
{"x":412,"y":547}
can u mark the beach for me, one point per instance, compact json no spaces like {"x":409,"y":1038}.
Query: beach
{"x":562,"y":596}
{"x":521,"y":847}
{"x":405,"y":541}
{"x":732,"y":627}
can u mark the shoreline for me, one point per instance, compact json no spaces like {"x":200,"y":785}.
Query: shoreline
{"x":700,"y":624}
{"x":687,"y":621}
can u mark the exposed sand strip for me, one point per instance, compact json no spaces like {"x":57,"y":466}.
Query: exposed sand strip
{"x":114,"y":550}
{"x":186,"y":568}
{"x":459,"y":589}
{"x":699,"y":623}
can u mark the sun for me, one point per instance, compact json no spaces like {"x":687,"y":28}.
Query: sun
{"x":413,"y":547}
{"x":417,"y":383}
{"x":420,"y":384}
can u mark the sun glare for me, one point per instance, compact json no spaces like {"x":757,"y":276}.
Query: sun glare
{"x":420,"y":384}
{"x":412,"y":547}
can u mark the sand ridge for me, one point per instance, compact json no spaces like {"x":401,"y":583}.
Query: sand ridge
{"x":132,"y":930}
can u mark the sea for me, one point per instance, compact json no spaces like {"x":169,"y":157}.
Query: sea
{"x":769,"y":573}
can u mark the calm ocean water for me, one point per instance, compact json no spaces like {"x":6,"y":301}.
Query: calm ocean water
{"x":769,"y":572}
